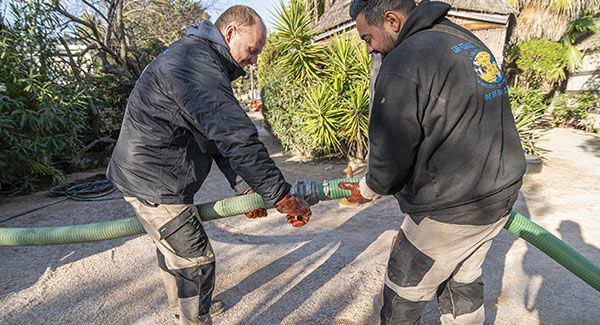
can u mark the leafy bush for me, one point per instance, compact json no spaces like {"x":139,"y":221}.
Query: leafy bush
{"x":281,"y":99}
{"x":572,"y":110}
{"x":316,"y":100}
{"x":110,"y":99}
{"x":538,"y":64}
{"x":528,"y":107}
{"x":42,"y":111}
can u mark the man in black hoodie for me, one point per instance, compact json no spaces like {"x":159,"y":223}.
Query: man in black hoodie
{"x":180,"y":117}
{"x":442,"y":141}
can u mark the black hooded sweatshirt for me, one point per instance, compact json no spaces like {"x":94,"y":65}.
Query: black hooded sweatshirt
{"x":442,"y":136}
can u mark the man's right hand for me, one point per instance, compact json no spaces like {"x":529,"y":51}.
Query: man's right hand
{"x":297,"y":210}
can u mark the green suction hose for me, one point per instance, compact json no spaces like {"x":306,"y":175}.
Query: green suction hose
{"x":41,"y":236}
{"x":312,"y":192}
{"x":562,"y":253}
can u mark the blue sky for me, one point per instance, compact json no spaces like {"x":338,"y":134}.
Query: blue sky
{"x":263,"y":7}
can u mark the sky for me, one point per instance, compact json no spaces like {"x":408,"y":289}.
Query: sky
{"x":216,"y":7}
{"x":263,"y":7}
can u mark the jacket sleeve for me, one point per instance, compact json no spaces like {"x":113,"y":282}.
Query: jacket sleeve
{"x":236,"y":182}
{"x":203,"y":93}
{"x":394,"y":133}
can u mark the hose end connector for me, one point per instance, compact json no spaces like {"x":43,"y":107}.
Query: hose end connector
{"x":306,"y":190}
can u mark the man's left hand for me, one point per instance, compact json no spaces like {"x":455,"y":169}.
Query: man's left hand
{"x":256,"y":213}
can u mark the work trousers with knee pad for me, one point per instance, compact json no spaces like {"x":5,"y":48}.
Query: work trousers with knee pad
{"x":432,"y":259}
{"x":185,"y":256}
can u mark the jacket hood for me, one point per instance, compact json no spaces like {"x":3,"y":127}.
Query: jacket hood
{"x":209,"y":32}
{"x":424,"y":16}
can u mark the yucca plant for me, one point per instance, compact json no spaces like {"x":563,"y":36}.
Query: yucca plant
{"x":301,"y":58}
{"x":342,"y":58}
{"x":354,"y":122}
{"x":586,"y":23}
{"x":348,"y":60}
{"x":321,"y":114}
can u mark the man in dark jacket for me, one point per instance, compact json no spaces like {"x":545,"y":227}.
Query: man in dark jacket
{"x":181,"y":116}
{"x":442,"y":141}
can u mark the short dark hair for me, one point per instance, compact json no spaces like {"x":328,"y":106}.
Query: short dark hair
{"x":244,"y":15}
{"x":375,"y":9}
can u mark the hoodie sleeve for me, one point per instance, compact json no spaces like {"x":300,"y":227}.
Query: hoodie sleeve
{"x":203,"y":92}
{"x":394,"y":133}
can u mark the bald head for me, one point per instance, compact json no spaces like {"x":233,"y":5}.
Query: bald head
{"x":245,"y":33}
{"x":242,"y":16}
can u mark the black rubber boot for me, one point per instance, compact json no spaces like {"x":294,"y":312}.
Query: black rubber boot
{"x":217,"y":307}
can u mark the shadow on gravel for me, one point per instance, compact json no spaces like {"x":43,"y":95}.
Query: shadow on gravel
{"x":81,"y":304}
{"x":25,"y":266}
{"x":343,"y":245}
{"x":495,"y":262}
{"x":22,"y":267}
{"x":592,"y":145}
{"x":554,"y":295}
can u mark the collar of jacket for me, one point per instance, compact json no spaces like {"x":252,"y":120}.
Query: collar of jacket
{"x":424,"y":16}
{"x":209,"y":32}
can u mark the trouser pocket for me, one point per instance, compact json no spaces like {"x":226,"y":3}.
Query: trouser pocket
{"x":185,"y":235}
{"x":407,"y":265}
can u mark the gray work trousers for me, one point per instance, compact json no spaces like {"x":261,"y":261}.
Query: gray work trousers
{"x":432,"y":259}
{"x":185,"y":257}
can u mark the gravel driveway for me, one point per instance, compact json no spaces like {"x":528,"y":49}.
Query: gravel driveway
{"x":328,"y":272}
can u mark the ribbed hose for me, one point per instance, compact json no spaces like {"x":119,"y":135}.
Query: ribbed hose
{"x":327,"y":190}
{"x":41,"y":236}
{"x":562,"y":253}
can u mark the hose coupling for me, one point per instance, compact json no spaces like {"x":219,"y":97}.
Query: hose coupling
{"x":306,"y":190}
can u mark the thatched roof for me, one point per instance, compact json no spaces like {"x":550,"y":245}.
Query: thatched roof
{"x":499,"y":7}
{"x":538,"y":20}
{"x":337,"y":14}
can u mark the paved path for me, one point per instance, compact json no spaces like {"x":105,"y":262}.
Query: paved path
{"x":329,"y":271}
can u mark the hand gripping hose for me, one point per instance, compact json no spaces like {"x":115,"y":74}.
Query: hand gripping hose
{"x":312,"y":192}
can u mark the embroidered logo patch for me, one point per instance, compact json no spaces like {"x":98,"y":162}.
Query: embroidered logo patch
{"x":486,"y":68}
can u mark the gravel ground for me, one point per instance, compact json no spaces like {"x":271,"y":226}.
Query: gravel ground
{"x":328,"y":272}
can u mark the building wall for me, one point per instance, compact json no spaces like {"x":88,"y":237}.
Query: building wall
{"x":491,"y":34}
{"x":587,"y":78}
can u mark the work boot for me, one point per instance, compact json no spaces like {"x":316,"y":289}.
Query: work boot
{"x":216,"y":308}
{"x":205,"y":319}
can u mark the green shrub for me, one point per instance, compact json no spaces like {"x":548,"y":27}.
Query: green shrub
{"x":321,"y":114}
{"x":538,"y":64}
{"x":42,"y":111}
{"x":572,"y":110}
{"x":110,"y":98}
{"x":528,"y":107}
{"x":354,"y":122}
{"x":281,"y":101}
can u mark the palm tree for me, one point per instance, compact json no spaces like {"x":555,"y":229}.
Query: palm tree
{"x":582,"y":26}
{"x":548,"y":19}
